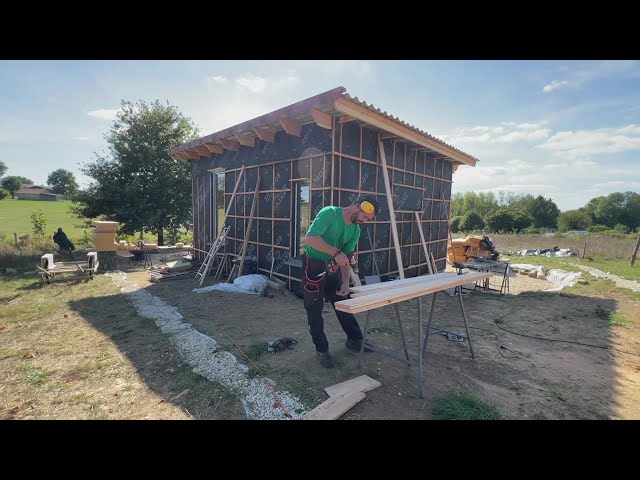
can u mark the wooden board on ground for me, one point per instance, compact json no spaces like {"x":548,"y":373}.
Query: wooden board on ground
{"x":335,"y":406}
{"x":363,"y":384}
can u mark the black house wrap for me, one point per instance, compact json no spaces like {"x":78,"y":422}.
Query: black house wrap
{"x":323,"y":151}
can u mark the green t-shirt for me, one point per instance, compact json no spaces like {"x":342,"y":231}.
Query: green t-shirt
{"x":329,"y":224}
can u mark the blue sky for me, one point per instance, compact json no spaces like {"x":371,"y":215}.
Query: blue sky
{"x":569,"y":130}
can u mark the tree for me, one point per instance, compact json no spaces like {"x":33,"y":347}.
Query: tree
{"x":573,"y":220}
{"x":500,"y":221}
{"x":522,"y":220}
{"x":140,"y":185}
{"x":455,"y":224}
{"x":62,"y":182}
{"x":3,"y":168}
{"x":481,"y":203}
{"x":471,"y":221}
{"x":14,"y":183}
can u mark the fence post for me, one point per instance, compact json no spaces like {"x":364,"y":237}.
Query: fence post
{"x":635,"y":250}
{"x":15,"y":237}
{"x":584,"y":250}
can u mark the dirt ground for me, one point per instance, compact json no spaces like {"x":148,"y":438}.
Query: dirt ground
{"x":538,"y":355}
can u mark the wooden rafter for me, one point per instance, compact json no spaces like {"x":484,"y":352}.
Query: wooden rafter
{"x":265,"y":134}
{"x":346,"y":119}
{"x":322,"y":119}
{"x":213,"y":148}
{"x":192,"y":154}
{"x":203,"y":151}
{"x":385,"y":135}
{"x":246,"y":140}
{"x":291,"y":126}
{"x":182,"y":156}
{"x":229,"y":144}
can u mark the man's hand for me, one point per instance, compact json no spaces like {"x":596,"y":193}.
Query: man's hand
{"x":341,"y":260}
{"x":344,"y":290}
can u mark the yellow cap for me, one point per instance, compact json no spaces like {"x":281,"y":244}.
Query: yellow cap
{"x":367,"y":207}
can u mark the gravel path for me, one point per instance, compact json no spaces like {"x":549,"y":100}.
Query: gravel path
{"x":258,"y":395}
{"x":619,"y":281}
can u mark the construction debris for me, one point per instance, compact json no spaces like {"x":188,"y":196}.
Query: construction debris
{"x":342,"y":397}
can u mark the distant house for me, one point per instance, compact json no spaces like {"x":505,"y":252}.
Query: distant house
{"x":35,"y":192}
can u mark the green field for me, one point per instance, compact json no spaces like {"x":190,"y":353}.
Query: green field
{"x":15,"y":216}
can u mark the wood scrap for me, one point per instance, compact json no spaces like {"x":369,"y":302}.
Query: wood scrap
{"x":363,"y":383}
{"x":335,"y":406}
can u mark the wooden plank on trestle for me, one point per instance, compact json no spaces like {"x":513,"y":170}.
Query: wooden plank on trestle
{"x":369,"y":302}
{"x":394,"y":284}
{"x":333,"y":407}
{"x":363,"y":384}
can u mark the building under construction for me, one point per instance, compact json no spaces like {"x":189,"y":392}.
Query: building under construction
{"x":324,"y":150}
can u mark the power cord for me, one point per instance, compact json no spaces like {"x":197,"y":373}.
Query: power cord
{"x":514,"y":309}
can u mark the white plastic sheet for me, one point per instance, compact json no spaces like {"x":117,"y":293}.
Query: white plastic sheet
{"x":251,"y":284}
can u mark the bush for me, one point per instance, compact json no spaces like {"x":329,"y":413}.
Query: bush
{"x":39,"y":223}
{"x":186,"y":238}
{"x":4,"y":193}
{"x":455,"y":224}
{"x":620,"y":228}
{"x":471,"y":221}
{"x":597,"y":228}
{"x":531,"y":230}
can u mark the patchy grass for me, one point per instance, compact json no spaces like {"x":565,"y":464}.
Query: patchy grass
{"x":463,"y":406}
{"x":384,"y":329}
{"x":80,"y":351}
{"x":613,"y":318}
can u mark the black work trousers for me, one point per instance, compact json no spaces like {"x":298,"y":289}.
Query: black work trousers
{"x":320,"y":284}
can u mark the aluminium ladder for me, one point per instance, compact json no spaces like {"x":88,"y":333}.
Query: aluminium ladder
{"x":209,"y":258}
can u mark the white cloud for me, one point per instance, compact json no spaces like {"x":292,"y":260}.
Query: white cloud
{"x":506,"y":132}
{"x":253,"y":83}
{"x":554,"y":85}
{"x":580,"y":74}
{"x":620,"y":185}
{"x":80,"y":138}
{"x":219,"y":79}
{"x":104,"y":114}
{"x":585,"y":143}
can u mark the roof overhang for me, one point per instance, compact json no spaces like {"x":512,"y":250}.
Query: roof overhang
{"x":319,"y":110}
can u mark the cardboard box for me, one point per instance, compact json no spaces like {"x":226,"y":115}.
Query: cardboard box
{"x":103,"y":226}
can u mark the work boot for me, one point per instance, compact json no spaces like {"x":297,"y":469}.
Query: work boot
{"x":325,"y":359}
{"x":355,"y":344}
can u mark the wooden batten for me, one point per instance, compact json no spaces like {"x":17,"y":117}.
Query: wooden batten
{"x":213,"y":148}
{"x":292,"y":127}
{"x":265,"y":134}
{"x":246,"y":140}
{"x":229,"y":144}
{"x":322,"y":119}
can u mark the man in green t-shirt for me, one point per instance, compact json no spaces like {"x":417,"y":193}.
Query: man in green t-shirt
{"x":332,"y":239}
